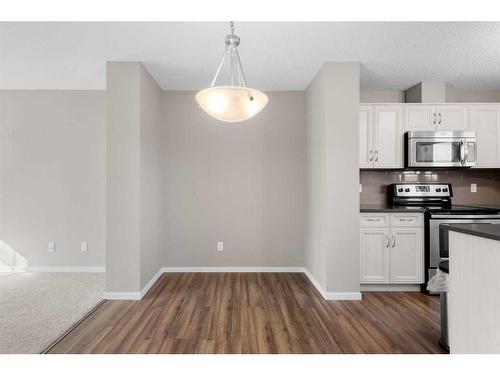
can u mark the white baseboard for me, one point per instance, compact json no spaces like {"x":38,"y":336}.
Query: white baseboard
{"x":8,"y":269}
{"x":343,"y":296}
{"x":233,"y":269}
{"x":151,"y":282}
{"x":123,"y":295}
{"x":142,"y":293}
{"x":332,"y":296}
{"x":67,"y":269}
{"x":390,"y":287}
{"x":315,"y":282}
{"x":134,"y":295}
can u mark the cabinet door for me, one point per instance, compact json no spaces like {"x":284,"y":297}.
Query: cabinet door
{"x":365,"y":137}
{"x":420,"y":117}
{"x":406,"y":255}
{"x":452,"y":117}
{"x":485,"y":120}
{"x":375,"y":256}
{"x":388,"y":136}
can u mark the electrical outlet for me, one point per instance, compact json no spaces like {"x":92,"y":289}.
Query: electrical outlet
{"x":360,"y":188}
{"x":84,"y":246}
{"x":220,"y":246}
{"x":473,"y":188}
{"x":51,"y":247}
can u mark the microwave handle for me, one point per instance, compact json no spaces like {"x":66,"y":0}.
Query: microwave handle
{"x":462,"y":152}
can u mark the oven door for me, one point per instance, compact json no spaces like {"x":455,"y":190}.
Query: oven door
{"x":437,"y":152}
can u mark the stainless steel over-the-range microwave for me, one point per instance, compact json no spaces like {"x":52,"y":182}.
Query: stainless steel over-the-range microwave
{"x":440,"y":149}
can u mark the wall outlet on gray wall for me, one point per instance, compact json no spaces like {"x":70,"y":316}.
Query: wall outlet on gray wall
{"x":51,"y":247}
{"x":220,"y":246}
{"x":473,"y":188}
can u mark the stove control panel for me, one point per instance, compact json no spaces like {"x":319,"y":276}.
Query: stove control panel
{"x":422,"y":190}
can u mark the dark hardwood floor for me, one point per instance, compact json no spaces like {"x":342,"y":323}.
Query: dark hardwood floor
{"x":256,"y":313}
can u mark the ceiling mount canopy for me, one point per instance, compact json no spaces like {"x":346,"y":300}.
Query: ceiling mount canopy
{"x":233,"y":102}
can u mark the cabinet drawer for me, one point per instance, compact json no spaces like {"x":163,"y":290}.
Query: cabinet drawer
{"x":406,"y":220}
{"x":374,"y":220}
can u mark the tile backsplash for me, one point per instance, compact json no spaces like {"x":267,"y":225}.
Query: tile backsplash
{"x":374,"y":184}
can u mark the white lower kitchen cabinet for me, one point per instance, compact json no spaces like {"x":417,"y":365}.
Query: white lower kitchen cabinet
{"x":375,"y":255}
{"x":407,"y":258}
{"x":392,"y":249}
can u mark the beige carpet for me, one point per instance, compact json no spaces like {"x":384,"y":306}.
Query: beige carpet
{"x":37,"y":308}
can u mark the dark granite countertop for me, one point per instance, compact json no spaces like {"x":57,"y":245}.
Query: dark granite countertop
{"x":491,"y":231}
{"x":494,"y":206}
{"x":386,"y":208}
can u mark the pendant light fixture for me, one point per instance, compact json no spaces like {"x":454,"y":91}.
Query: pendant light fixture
{"x":234,"y":102}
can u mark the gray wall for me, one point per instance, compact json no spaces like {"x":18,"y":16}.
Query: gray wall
{"x":316,"y":217}
{"x":134,"y":240}
{"x":52,"y":175}
{"x":333,"y":180}
{"x":453,"y":95}
{"x":381,"y":96}
{"x":472,"y":95}
{"x":123,"y":178}
{"x":151,"y":227}
{"x":243,"y":184}
{"x":342,"y":117}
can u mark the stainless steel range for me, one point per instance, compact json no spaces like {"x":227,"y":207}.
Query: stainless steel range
{"x":436,"y":199}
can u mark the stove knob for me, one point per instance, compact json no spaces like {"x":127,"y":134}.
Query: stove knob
{"x":407,"y":190}
{"x":400,"y":190}
{"x":438,"y":190}
{"x":445,"y":190}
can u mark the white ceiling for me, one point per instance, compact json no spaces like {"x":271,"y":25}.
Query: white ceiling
{"x":275,"y":56}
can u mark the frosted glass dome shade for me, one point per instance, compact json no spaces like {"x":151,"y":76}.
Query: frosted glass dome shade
{"x":231,"y":103}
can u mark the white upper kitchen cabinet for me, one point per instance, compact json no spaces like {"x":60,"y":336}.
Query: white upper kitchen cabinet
{"x":388,"y":136}
{"x":407,"y":255}
{"x":452,"y":117}
{"x":365,"y":136}
{"x":435,"y":117}
{"x":485,"y":121}
{"x":381,"y":136}
{"x":375,"y":256}
{"x":420,"y":117}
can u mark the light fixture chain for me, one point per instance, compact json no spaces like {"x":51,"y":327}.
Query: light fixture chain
{"x":238,"y":61}
{"x":219,"y":68}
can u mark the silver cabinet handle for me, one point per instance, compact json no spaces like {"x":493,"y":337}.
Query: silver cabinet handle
{"x":387,"y":240}
{"x":371,"y":155}
{"x":393,"y":241}
{"x":376,"y":155}
{"x":435,"y":118}
{"x":439,"y":123}
{"x":406,"y":220}
{"x":373,"y":219}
